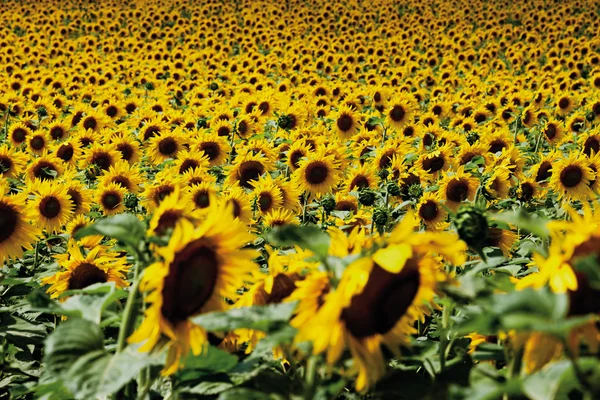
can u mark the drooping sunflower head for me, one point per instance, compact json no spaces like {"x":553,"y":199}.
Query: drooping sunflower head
{"x":200,"y":267}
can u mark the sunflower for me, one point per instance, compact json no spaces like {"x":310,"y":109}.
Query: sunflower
{"x":111,"y":198}
{"x":38,"y":142}
{"x":245,"y":126}
{"x":528,"y":190}
{"x":46,"y":168}
{"x":173,"y":209}
{"x":239,"y":201}
{"x":12,"y":162}
{"x":18,"y":133}
{"x":200,"y":267}
{"x":16,"y":232}
{"x":564,"y":104}
{"x":346,"y":202}
{"x":93,"y":120}
{"x":362,"y":177}
{"x":280,"y":217}
{"x":79,"y":194}
{"x":163,"y":146}
{"x":68,"y":151}
{"x":267,"y":195}
{"x":213,"y":147}
{"x":128,"y":147}
{"x":100,"y":156}
{"x":431,"y":211}
{"x":504,"y":239}
{"x":296,"y":152}
{"x":162,"y":185}
{"x":79,"y":222}
{"x":378,"y":300}
{"x":498,"y":183}
{"x":399,"y":112}
{"x":435,"y":162}
{"x":553,"y":131}
{"x":346,"y":122}
{"x":83,"y":269}
{"x":125,"y":175}
{"x":310,"y":293}
{"x":456,"y":187}
{"x":189,"y":160}
{"x":202,"y":195}
{"x":571,"y":177}
{"x":247,"y":168}
{"x":52,"y":206}
{"x":318,"y":174}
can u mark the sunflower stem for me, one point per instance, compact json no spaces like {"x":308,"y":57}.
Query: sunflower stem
{"x":578,"y":372}
{"x":309,"y":377}
{"x":129,"y":313}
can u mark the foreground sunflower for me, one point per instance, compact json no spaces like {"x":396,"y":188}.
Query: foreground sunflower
{"x":201,"y":266}
{"x":378,"y":300}
{"x":16,"y":232}
{"x":85,"y":269}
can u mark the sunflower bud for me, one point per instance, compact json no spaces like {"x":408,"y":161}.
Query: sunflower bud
{"x":472,"y":137}
{"x":380,"y":217}
{"x":393,"y":189}
{"x":384,"y":173}
{"x":328,"y":203}
{"x":131,"y":201}
{"x":285,"y":122}
{"x":472,"y":226}
{"x":590,"y":116}
{"x":366,"y":197}
{"x":214,"y":86}
{"x":415,"y":191}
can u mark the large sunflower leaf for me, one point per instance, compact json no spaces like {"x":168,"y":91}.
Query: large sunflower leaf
{"x":308,"y":237}
{"x":262,"y":318}
{"x":126,"y":228}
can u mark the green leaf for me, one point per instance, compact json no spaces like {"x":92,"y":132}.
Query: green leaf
{"x":72,"y":339}
{"x":309,"y":237}
{"x":91,"y":306}
{"x":524,"y":220}
{"x":262,"y":318}
{"x":243,"y":393}
{"x":212,"y":359}
{"x":544,"y":384}
{"x":126,"y":228}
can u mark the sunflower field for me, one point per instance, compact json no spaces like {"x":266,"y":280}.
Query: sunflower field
{"x":300,"y":199}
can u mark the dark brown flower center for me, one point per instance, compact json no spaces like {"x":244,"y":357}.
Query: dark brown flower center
{"x":90,"y":123}
{"x":550,"y":131}
{"x":497,"y":146}
{"x":75,"y":199}
{"x":295,"y":158}
{"x":265,"y":201}
{"x":242,"y":128}
{"x":316,"y":172}
{"x":249,"y":171}
{"x":563,"y":103}
{"x":428,"y":210}
{"x":85,"y":275}
{"x":37,"y":143}
{"x":65,"y":152}
{"x":526,"y":191}
{"x":57,"y":132}
{"x":42,"y":170}
{"x":187,"y":165}
{"x":397,"y":113}
{"x":163,"y":192}
{"x":6,"y":164}
{"x":571,"y":176}
{"x":433,"y":164}
{"x":457,"y":190}
{"x":110,"y":200}
{"x":190,"y":283}
{"x":50,"y":207}
{"x":167,"y":146}
{"x":9,"y":220}
{"x":383,"y":301}
{"x":345,"y":122}
{"x":126,"y":151}
{"x":591,"y":145}
{"x":211,"y":150}
{"x":112,"y":111}
{"x":360,"y":182}
{"x":19,"y":135}
{"x":102,"y":160}
{"x":202,"y":199}
{"x":544,"y":172}
{"x":167,"y":220}
{"x":151,"y":131}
